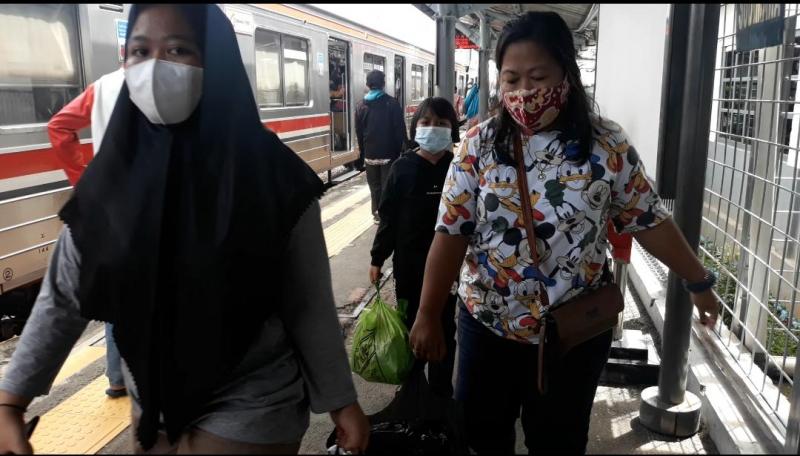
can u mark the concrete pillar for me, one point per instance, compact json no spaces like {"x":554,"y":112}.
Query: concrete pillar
{"x":445,"y":50}
{"x":483,"y":68}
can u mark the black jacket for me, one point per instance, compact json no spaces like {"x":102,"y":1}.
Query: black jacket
{"x":408,"y":210}
{"x":380,"y":128}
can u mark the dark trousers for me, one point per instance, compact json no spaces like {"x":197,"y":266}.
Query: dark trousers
{"x":497,"y":378}
{"x":377,"y":175}
{"x":440,"y":375}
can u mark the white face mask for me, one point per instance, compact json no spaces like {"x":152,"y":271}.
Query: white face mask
{"x":434,"y":140}
{"x":166,"y":92}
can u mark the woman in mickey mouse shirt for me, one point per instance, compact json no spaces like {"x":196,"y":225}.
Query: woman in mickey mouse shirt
{"x":582,"y":171}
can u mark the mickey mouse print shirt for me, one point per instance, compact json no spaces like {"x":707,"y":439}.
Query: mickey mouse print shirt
{"x":572,"y":203}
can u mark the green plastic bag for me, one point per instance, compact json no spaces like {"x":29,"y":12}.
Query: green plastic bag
{"x":381,"y":352}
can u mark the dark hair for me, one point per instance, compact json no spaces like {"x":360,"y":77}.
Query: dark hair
{"x":549,"y":30}
{"x":376,"y":79}
{"x":442,"y":109}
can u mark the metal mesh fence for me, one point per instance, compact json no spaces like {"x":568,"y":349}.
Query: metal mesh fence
{"x":751,"y":215}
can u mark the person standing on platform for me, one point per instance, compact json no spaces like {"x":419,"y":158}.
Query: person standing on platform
{"x":408,"y":210}
{"x":227,"y":345}
{"x":381,"y":134}
{"x":92,"y":108}
{"x":592,"y":174}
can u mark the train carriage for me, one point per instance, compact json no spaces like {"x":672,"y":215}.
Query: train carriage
{"x":306,"y":68}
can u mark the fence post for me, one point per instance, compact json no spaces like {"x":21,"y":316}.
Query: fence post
{"x":668,"y":408}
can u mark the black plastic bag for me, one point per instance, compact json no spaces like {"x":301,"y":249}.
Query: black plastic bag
{"x":417,"y":422}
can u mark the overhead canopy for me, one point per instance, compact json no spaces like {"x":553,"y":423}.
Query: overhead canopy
{"x":581,"y":18}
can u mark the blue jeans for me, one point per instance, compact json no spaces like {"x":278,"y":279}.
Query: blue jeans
{"x":497,"y":377}
{"x":113,"y":361}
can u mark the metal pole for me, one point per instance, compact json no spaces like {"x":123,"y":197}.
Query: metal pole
{"x":671,"y":409}
{"x":445,"y":50}
{"x":621,"y":278}
{"x":483,"y":68}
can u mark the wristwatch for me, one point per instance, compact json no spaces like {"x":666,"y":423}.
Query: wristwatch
{"x":709,"y":280}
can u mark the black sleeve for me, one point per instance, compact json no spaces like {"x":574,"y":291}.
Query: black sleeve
{"x":360,"y":108}
{"x":384,"y":243}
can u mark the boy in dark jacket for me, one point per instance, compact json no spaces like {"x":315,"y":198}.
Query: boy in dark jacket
{"x":408,"y":210}
{"x":381,"y":133}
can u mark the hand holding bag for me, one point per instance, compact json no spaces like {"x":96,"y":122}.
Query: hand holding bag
{"x":572,"y":322}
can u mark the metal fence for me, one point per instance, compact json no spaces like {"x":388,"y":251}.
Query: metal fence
{"x":751,"y":215}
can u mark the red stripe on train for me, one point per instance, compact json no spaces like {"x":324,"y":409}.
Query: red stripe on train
{"x":283,"y":126}
{"x":411,"y":109}
{"x":18,"y":164}
{"x":35,"y":161}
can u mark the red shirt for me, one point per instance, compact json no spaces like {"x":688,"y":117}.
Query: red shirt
{"x":63,"y":131}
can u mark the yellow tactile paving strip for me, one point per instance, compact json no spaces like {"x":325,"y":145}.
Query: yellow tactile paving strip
{"x":78,"y":360}
{"x":346,"y":230}
{"x":345,"y":203}
{"x":84,"y":423}
{"x":88,"y":420}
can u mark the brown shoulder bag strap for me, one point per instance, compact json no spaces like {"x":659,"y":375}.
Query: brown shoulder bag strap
{"x":527,"y":218}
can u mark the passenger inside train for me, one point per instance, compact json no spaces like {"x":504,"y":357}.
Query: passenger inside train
{"x":187,"y":179}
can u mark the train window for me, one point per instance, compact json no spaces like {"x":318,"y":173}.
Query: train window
{"x":416,"y":82}
{"x":374,"y":62}
{"x":295,"y":70}
{"x":268,"y":68}
{"x":39,"y":61}
{"x":281,"y":69}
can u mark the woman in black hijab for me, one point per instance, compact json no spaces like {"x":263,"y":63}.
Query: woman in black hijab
{"x":197,"y":234}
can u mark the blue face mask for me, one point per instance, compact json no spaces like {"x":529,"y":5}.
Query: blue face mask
{"x":434,"y":140}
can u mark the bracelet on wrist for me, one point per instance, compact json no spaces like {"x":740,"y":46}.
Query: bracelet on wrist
{"x":708,"y":282}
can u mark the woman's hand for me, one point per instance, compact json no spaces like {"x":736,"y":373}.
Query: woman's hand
{"x":352,"y":428}
{"x":12,"y":433}
{"x":427,"y":338}
{"x":374,"y":274}
{"x":708,"y":306}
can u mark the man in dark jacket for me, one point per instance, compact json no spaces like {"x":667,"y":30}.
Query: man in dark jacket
{"x":381,"y":133}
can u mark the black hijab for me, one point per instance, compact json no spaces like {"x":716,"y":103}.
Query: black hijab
{"x":182,"y":232}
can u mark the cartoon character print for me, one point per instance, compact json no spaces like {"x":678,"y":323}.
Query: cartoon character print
{"x":522,"y":327}
{"x":503,"y":260}
{"x":615,"y":147}
{"x":568,"y":265}
{"x":455,"y":207}
{"x":492,"y":310}
{"x":574,"y":200}
{"x":571,"y":221}
{"x":575,"y":176}
{"x":597,"y":195}
{"x":590,"y":267}
{"x":547,"y":159}
{"x":528,"y":293}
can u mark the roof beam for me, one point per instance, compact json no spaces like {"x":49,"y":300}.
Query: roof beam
{"x":469,"y":8}
{"x":457,"y":10}
{"x":589,"y":17}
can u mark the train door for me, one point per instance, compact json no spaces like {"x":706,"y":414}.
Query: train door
{"x":400,"y":80}
{"x":339,"y":85}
